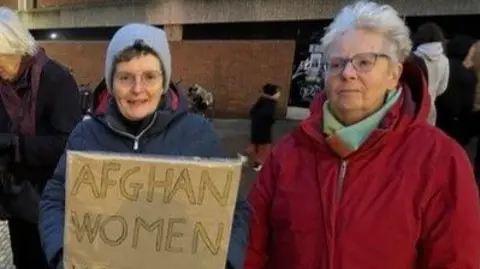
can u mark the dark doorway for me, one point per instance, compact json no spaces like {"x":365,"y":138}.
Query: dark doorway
{"x":307,"y":79}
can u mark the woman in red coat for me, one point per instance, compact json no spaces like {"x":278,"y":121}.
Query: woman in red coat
{"x":365,"y":182}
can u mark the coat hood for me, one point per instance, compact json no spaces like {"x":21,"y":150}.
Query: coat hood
{"x":412,"y":107}
{"x":430,"y":51}
{"x":172,"y":106}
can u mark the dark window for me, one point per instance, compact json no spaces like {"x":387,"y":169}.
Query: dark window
{"x":451,"y":25}
{"x":241,"y":31}
{"x":301,"y":31}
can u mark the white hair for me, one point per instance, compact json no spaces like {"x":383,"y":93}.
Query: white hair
{"x":14,"y":36}
{"x":371,"y":16}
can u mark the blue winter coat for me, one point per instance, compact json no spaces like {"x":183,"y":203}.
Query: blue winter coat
{"x":172,"y":131}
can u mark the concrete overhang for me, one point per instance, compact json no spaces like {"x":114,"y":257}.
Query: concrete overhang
{"x":85,"y":16}
{"x":216,"y":11}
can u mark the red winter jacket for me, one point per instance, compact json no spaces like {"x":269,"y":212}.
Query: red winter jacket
{"x":406,"y":199}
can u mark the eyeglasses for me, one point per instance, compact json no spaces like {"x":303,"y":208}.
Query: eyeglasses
{"x":149,"y":78}
{"x":362,"y":62}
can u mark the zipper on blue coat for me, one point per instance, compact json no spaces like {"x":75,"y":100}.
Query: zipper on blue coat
{"x":135,"y":144}
{"x":136,"y":139}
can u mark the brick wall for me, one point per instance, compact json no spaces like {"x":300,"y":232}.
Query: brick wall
{"x":13,"y":4}
{"x":233,"y":70}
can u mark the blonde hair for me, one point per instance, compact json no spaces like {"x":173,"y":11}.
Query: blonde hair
{"x":14,"y":36}
{"x":476,"y":58}
{"x":369,"y":15}
{"x":476,"y":67}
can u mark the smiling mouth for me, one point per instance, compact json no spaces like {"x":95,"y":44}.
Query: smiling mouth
{"x":137,"y":102}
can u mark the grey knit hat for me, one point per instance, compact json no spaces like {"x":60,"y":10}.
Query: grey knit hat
{"x":125,"y":37}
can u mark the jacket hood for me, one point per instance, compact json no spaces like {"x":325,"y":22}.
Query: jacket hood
{"x":412,"y":107}
{"x":178,"y":99}
{"x":430,"y":51}
{"x":172,"y":106}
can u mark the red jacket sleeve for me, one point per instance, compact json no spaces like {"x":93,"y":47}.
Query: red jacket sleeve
{"x":450,"y":236}
{"x":260,"y":200}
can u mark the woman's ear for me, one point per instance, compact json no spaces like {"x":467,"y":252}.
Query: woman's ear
{"x":395,"y":74}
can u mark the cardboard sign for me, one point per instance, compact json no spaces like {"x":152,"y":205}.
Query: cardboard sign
{"x":134,"y":212}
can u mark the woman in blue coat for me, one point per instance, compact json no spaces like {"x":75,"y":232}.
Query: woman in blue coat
{"x":144,"y":116}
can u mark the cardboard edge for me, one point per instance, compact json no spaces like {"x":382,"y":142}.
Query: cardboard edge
{"x":158,"y":158}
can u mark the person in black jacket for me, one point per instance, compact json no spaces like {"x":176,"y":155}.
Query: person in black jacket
{"x":39,"y":108}
{"x":429,"y":54}
{"x":455,"y":105}
{"x":262,"y":116}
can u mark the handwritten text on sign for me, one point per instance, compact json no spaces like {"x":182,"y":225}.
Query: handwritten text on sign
{"x":171,"y":211}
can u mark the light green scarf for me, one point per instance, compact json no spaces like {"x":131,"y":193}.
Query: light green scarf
{"x":344,"y":140}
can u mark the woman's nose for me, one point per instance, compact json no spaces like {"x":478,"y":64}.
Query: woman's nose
{"x":349,"y":71}
{"x":137,"y":86}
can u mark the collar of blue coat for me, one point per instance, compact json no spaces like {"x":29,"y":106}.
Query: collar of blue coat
{"x":170,"y":108}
